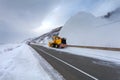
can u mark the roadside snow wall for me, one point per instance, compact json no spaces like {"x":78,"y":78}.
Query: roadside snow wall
{"x":88,"y":30}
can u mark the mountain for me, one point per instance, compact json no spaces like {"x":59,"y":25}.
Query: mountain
{"x":47,"y":36}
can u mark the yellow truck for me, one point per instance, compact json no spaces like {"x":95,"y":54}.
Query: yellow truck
{"x":57,"y":42}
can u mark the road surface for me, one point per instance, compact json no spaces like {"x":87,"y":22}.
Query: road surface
{"x":74,"y":67}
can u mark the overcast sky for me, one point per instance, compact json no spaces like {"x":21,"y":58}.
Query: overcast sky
{"x":22,"y":19}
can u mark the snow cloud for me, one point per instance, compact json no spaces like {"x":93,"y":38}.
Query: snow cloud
{"x":21,"y":19}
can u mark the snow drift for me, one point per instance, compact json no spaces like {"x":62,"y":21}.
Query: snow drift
{"x":88,"y":30}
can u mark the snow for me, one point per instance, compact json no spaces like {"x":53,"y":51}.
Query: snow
{"x":88,"y":30}
{"x":23,"y":63}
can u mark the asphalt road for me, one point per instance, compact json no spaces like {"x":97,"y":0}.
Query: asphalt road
{"x":74,"y":67}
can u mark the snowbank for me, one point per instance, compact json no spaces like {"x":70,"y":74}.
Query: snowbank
{"x":23,"y":63}
{"x":88,"y":30}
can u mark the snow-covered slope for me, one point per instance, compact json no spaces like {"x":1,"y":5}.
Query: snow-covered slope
{"x":23,"y":63}
{"x":86,"y":29}
{"x":47,"y":36}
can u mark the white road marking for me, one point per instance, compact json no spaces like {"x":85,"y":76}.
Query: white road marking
{"x":70,"y":65}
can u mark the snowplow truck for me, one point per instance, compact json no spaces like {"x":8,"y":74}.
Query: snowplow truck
{"x":57,"y":42}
